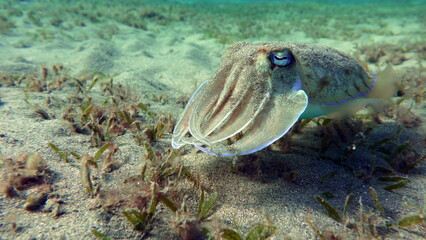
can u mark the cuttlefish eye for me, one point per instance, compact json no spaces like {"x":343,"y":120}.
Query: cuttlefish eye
{"x":282,"y":58}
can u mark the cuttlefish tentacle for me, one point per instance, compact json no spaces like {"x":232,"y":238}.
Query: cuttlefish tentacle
{"x":261,"y":90}
{"x":204,"y":98}
{"x":240,"y":118}
{"x":182,"y":127}
{"x":237,"y":105}
{"x":227,"y":105}
{"x":204,"y":105}
{"x":279,"y":113}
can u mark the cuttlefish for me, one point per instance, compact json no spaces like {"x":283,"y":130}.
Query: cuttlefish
{"x":262,"y":89}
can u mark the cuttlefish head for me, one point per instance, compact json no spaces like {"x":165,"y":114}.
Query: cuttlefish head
{"x":260,"y":90}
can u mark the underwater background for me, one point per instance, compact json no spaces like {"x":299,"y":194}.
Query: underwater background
{"x":90,"y":92}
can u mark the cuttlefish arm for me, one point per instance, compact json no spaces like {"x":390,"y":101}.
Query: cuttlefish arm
{"x":246,"y":95}
{"x":219,"y":107}
{"x":277,"y":117}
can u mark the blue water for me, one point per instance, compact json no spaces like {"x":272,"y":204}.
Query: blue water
{"x":317,"y":1}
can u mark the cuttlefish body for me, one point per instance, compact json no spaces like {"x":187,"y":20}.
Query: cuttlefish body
{"x":262,"y":89}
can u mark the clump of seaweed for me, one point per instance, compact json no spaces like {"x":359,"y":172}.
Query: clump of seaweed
{"x":259,"y":231}
{"x":156,"y":185}
{"x":6,"y":24}
{"x":339,"y":140}
{"x":345,"y":134}
{"x":354,"y":136}
{"x":384,"y":54}
{"x":412,"y":80}
{"x":363,"y":226}
{"x":118,"y":113}
{"x":46,"y":80}
{"x":26,"y":176}
{"x":399,"y":154}
{"x":153,"y":132}
{"x":100,"y":235}
{"x":387,"y":53}
{"x":102,"y":122}
{"x":107,"y":120}
{"x":409,"y":221}
{"x":190,"y":225}
{"x":396,"y":182}
{"x":160,"y":182}
{"x":105,"y":164}
{"x":367,"y":224}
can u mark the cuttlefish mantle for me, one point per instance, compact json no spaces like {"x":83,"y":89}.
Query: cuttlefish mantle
{"x":262,"y":89}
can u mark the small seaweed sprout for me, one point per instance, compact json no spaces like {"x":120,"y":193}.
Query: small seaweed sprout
{"x":259,"y":231}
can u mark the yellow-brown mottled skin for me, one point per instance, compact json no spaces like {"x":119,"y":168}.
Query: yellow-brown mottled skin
{"x":328,"y":75}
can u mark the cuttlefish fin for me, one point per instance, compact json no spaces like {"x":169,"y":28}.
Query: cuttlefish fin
{"x":338,"y":111}
{"x":182,"y":127}
{"x":277,"y":117}
{"x":387,"y":84}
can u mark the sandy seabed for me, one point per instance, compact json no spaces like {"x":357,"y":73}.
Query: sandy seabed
{"x":158,"y":54}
